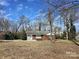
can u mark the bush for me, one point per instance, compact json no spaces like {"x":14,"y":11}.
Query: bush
{"x":17,"y":35}
{"x":57,"y":37}
{"x":8,"y":36}
{"x":63,"y":36}
{"x":24,"y":35}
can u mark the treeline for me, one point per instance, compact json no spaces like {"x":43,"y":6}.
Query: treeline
{"x":11,"y":30}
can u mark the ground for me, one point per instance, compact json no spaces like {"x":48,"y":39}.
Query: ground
{"x":38,"y":50}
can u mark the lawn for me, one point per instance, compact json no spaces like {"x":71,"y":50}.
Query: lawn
{"x":19,"y":49}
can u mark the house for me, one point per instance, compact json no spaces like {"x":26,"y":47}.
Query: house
{"x":49,"y":34}
{"x":37,"y":35}
{"x":77,"y":37}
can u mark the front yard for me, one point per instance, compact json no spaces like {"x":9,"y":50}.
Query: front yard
{"x":19,"y":49}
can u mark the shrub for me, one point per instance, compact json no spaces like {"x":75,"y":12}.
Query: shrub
{"x":63,"y":36}
{"x":24,"y":35}
{"x":57,"y":37}
{"x":8,"y":36}
{"x":17,"y":35}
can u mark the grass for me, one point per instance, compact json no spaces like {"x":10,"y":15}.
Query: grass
{"x":19,"y":49}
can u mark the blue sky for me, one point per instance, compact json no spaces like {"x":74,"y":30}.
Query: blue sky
{"x":15,"y":8}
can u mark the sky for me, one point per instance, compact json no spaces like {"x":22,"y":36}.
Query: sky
{"x":16,"y":8}
{"x":13,"y":9}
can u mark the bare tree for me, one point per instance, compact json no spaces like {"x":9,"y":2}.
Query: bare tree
{"x":23,"y":21}
{"x":4,"y":24}
{"x":69,"y":19}
{"x":50,"y":22}
{"x":14,"y":26}
{"x":64,"y":10}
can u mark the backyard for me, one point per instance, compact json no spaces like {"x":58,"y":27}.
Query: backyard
{"x":19,"y":49}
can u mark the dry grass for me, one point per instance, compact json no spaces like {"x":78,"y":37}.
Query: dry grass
{"x":38,"y":50}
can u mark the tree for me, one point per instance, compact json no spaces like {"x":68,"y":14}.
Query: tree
{"x":4,"y":24}
{"x":50,"y":22}
{"x":22,"y":22}
{"x":69,"y":18}
{"x":65,"y":8}
{"x":14,"y":26}
{"x":23,"y":35}
{"x":40,"y":20}
{"x":72,"y":32}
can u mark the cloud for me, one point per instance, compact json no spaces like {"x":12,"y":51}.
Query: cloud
{"x":2,"y":12}
{"x":26,"y":7}
{"x":39,"y":14}
{"x":4,"y":3}
{"x":19,"y":7}
{"x":8,"y":15}
{"x":9,"y":9}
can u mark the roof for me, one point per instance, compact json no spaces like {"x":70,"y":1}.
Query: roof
{"x":37,"y":32}
{"x":50,"y":34}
